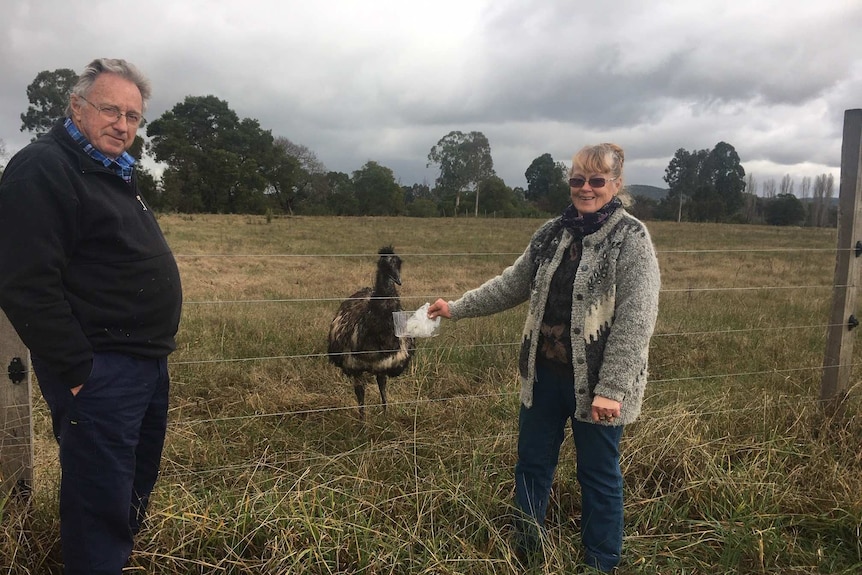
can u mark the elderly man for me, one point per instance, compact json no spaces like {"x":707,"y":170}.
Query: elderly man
{"x":92,"y":288}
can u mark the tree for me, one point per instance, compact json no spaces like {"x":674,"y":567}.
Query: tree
{"x":464,"y":161}
{"x":682,"y":175}
{"x":643,"y":208}
{"x":805,"y":188}
{"x":48,"y":95}
{"x":418,"y":192}
{"x":498,"y":198}
{"x":786,"y":185}
{"x":377,"y":192}
{"x":724,"y":180}
{"x":341,"y":198}
{"x":784,"y":210}
{"x":712,"y":180}
{"x":215,"y":161}
{"x":751,"y":184}
{"x":284,"y":175}
{"x":824,"y":188}
{"x":547,"y":187}
{"x":297,"y":174}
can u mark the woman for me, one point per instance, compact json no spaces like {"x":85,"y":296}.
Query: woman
{"x":592,"y":279}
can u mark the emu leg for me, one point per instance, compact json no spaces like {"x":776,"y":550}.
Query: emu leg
{"x":381,"y":385}
{"x":359,"y":390}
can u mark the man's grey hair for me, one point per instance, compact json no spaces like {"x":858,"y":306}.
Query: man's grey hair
{"x":116,"y":66}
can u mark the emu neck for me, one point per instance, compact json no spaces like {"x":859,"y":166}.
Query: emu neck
{"x":384,"y":287}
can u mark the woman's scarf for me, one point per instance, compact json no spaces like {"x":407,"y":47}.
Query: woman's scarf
{"x":583,"y":225}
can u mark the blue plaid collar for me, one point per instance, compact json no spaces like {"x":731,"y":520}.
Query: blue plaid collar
{"x":123,"y":166}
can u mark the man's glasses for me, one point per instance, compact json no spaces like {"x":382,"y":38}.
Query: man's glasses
{"x":114,"y":114}
{"x":594,"y":182}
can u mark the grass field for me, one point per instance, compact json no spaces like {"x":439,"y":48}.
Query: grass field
{"x":732,"y":468}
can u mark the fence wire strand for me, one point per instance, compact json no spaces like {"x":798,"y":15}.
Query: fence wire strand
{"x":181,"y":470}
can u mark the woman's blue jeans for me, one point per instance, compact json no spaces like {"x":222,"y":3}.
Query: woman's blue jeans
{"x":541,"y":433}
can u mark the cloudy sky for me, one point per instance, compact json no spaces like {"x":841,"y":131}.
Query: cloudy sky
{"x":384,"y":80}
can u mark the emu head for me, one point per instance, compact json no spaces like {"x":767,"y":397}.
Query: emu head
{"x":389,"y":264}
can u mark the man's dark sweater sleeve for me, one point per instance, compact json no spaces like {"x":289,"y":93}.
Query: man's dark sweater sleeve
{"x":37,"y":224}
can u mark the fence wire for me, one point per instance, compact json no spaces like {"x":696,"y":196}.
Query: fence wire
{"x":179,"y":470}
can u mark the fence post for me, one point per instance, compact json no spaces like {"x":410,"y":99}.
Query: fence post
{"x":835,"y":382}
{"x":16,"y":425}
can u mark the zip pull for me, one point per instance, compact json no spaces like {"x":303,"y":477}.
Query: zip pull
{"x":138,"y":197}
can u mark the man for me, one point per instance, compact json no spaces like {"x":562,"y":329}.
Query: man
{"x":92,"y":288}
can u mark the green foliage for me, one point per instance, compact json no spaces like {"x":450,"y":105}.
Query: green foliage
{"x":215,"y":161}
{"x":377,"y":192}
{"x":422,"y":208}
{"x":464,"y":161}
{"x":643,"y":208}
{"x":290,"y":173}
{"x":547,"y":184}
{"x":784,"y":210}
{"x":726,"y":176}
{"x":48,"y":95}
{"x":705,"y":185}
{"x":496,"y":198}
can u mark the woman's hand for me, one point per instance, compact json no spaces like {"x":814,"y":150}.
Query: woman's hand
{"x":605,"y":409}
{"x":439,"y":308}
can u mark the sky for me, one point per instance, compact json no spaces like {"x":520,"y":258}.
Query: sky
{"x":385,"y":80}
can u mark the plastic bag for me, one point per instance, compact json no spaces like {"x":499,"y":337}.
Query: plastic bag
{"x":415,"y":323}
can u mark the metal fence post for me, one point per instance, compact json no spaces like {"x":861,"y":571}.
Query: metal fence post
{"x":16,"y":423}
{"x":843,"y":319}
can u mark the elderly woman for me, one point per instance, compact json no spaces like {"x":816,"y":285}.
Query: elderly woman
{"x":592,"y":279}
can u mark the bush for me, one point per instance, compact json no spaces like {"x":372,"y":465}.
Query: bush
{"x":422,"y":208}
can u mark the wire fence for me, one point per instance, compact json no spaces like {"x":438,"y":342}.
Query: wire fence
{"x":177,"y":468}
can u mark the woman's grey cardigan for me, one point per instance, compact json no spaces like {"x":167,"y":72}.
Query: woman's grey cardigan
{"x":614,"y":308}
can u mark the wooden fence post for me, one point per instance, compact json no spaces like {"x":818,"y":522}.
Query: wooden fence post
{"x":837,"y":361}
{"x":16,"y":425}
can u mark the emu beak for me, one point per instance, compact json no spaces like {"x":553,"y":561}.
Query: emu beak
{"x":396,"y":277}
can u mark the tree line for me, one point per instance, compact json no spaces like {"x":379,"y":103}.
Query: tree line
{"x":712,"y":186}
{"x":216,"y":162}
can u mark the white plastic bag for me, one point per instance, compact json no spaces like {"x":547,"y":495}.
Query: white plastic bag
{"x":415,"y":323}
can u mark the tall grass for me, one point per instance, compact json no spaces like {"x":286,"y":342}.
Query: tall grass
{"x":732,"y":468}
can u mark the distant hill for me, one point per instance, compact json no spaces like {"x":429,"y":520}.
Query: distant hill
{"x":650,"y":192}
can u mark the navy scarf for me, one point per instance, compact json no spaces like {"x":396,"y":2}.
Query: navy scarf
{"x":583,"y":225}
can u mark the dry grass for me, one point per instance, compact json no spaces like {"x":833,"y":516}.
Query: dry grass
{"x":731,"y":469}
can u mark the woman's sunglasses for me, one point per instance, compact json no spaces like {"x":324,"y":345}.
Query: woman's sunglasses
{"x":594,"y":182}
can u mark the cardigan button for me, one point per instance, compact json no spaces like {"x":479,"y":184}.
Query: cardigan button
{"x":581,"y":360}
{"x":579,"y":297}
{"x":577,"y":331}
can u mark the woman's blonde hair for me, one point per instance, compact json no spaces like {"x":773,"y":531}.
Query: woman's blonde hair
{"x":606,"y":158}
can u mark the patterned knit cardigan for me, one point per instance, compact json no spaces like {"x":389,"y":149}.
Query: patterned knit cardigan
{"x":614,"y":308}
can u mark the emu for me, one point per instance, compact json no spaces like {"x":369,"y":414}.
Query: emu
{"x":362,"y":336}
